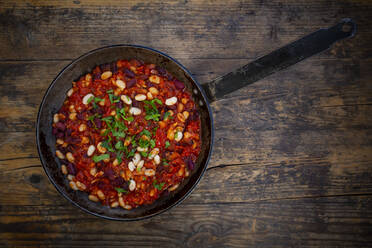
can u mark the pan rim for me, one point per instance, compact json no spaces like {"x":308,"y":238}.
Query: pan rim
{"x":66,"y":196}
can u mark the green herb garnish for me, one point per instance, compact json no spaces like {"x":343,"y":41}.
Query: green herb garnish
{"x":100,"y":157}
{"x":120,"y":190}
{"x":152,"y":143}
{"x":144,"y":154}
{"x":167,"y":144}
{"x":90,"y":99}
{"x":146,"y":133}
{"x":158,"y":186}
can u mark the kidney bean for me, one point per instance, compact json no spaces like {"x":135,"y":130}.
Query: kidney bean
{"x":100,"y":111}
{"x":54,"y":131}
{"x":97,"y":76}
{"x":90,"y":124}
{"x":109,"y":173}
{"x":168,"y":76}
{"x":165,"y":193}
{"x":105,"y":67}
{"x":194,"y":116}
{"x":113,"y":67}
{"x":68,"y":132}
{"x":161,"y":70}
{"x":119,"y":104}
{"x":118,"y":181}
{"x":190,"y":164}
{"x":98,"y":123}
{"x":80,"y":116}
{"x":143,"y":77}
{"x":135,"y":103}
{"x":131,"y":83}
{"x":129,"y":73}
{"x":61,"y":126}
{"x":71,"y":169}
{"x":149,"y":84}
{"x":68,"y":139}
{"x":70,"y":148}
{"x":60,"y":135}
{"x":172,"y":107}
{"x":179,"y":85}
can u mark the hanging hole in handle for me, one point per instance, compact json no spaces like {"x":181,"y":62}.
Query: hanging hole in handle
{"x":346,"y":28}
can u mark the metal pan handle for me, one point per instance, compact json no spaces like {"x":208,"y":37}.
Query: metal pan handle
{"x":279,"y":59}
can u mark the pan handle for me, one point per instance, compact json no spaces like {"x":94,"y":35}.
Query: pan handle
{"x":279,"y":59}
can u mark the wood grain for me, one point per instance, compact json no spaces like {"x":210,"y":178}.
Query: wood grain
{"x":294,"y":222}
{"x":291,"y":164}
{"x":183,"y":29}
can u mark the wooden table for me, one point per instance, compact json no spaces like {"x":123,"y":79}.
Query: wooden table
{"x":292,"y":161}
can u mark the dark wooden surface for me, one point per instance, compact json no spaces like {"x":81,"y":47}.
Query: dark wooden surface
{"x":292,"y":161}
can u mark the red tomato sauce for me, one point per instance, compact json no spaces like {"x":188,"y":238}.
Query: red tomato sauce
{"x":127,"y":132}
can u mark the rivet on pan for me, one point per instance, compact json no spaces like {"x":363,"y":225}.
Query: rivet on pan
{"x":201,"y":103}
{"x":195,"y":91}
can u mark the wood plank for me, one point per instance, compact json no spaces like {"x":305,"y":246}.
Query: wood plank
{"x":316,"y":222}
{"x":266,"y":179}
{"x":184,"y":29}
{"x":325,"y":93}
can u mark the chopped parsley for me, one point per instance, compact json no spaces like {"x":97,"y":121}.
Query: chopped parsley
{"x":167,"y":144}
{"x":151,"y":110}
{"x":156,"y":185}
{"x":144,"y":154}
{"x":146,"y":133}
{"x":120,"y":190}
{"x":100,"y":157}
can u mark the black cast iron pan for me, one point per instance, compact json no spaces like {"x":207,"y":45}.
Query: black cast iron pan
{"x":203,"y":95}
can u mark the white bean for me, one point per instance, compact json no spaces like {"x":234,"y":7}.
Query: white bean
{"x":106,"y":75}
{"x":73,"y":185}
{"x":82,"y":127}
{"x":55,"y":118}
{"x":141,"y":149}
{"x":127,"y":207}
{"x":126,"y":99}
{"x":171,"y":101}
{"x":178,"y":136}
{"x":64,"y":169}
{"x":100,"y":195}
{"x":153,"y":153}
{"x":91,"y":150}
{"x":60,"y":154}
{"x":93,"y":198}
{"x":131,"y":166}
{"x":157,"y":159}
{"x":120,"y":84}
{"x":87,"y":97}
{"x":132,"y":185}
{"x":140,"y":165}
{"x":60,"y":141}
{"x":136,"y":158}
{"x":154,"y":90}
{"x":70,"y":157}
{"x":154,"y":79}
{"x":135,"y":111}
{"x":115,"y":204}
{"x":100,"y":148}
{"x":174,"y":187}
{"x":93,"y":171}
{"x":70,"y":92}
{"x":81,"y":185}
{"x":149,"y":172}
{"x":140,"y":97}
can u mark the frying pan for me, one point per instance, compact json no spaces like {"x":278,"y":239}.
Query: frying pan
{"x":203,"y":95}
